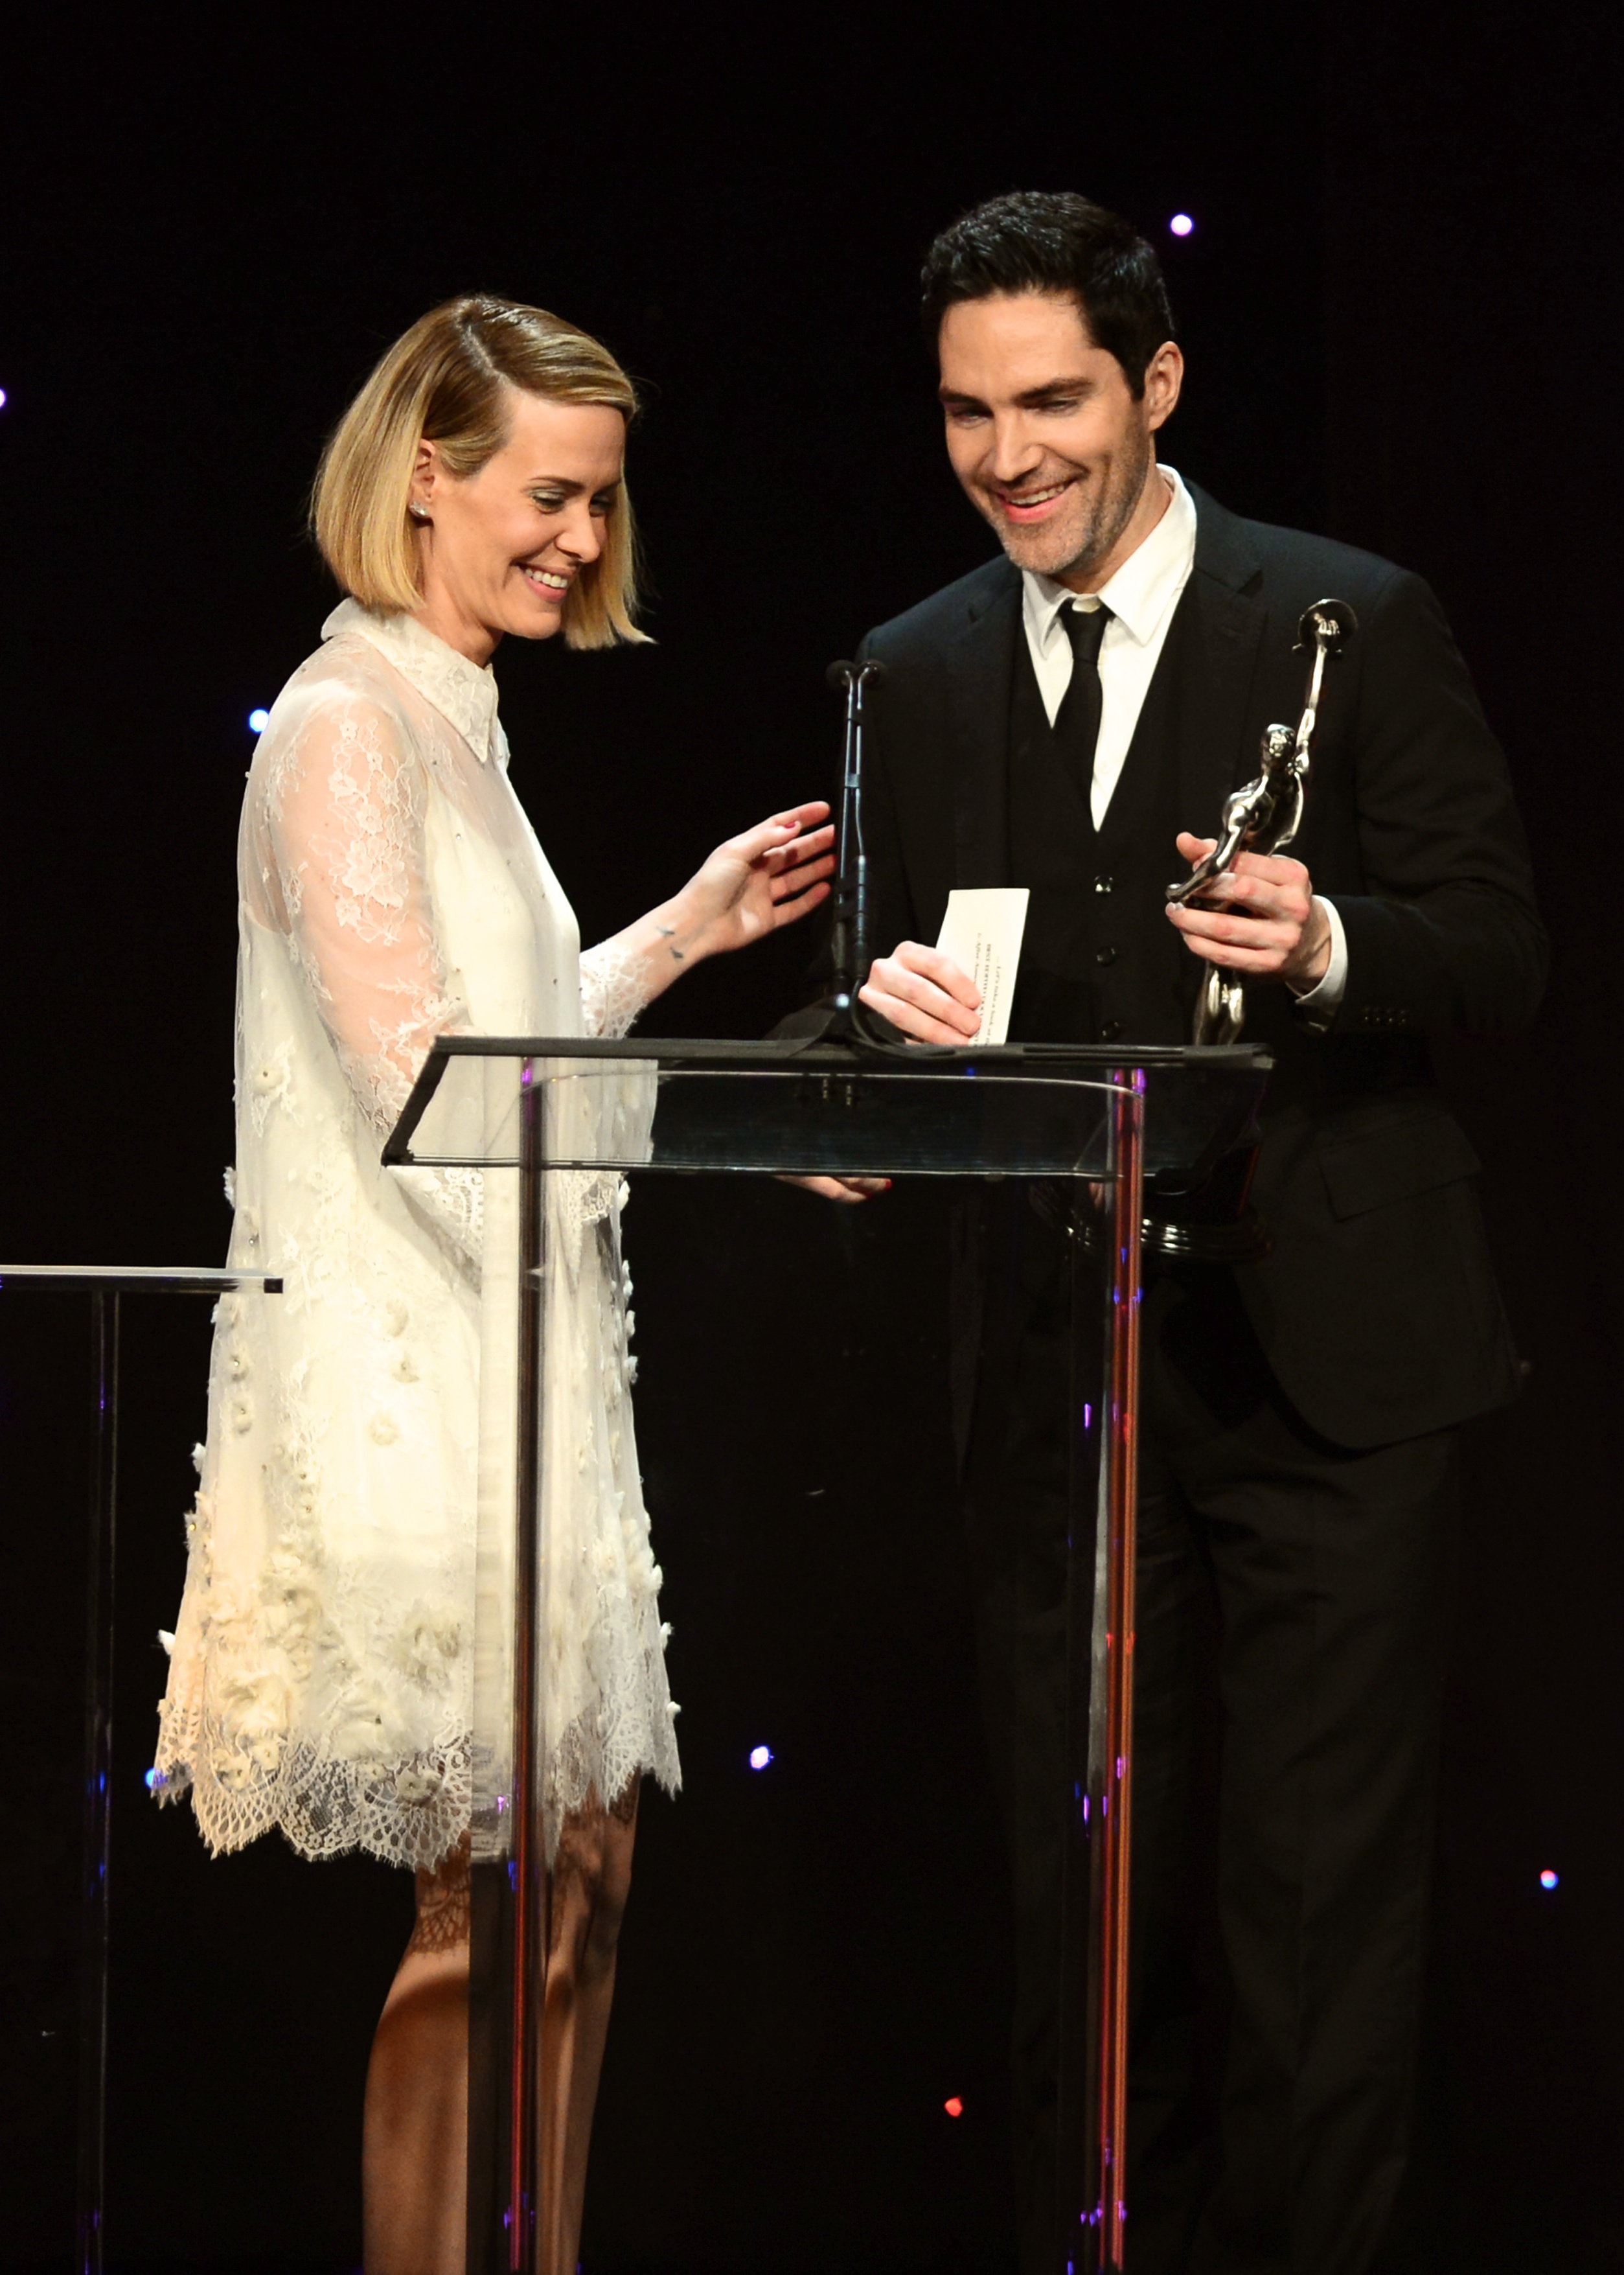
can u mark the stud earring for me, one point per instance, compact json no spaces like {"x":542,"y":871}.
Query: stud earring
{"x":418,"y":513}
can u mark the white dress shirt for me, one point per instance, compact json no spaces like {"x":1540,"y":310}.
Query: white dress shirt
{"x":1142,"y":597}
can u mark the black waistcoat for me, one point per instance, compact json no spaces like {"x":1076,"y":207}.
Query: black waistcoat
{"x":1099,"y":961}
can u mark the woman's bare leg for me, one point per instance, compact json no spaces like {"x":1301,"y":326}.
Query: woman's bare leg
{"x":414,"y":2136}
{"x":591,"y":1879}
{"x":415,"y":2133}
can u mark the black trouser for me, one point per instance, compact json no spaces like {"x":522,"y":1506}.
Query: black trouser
{"x":1294,"y":1602}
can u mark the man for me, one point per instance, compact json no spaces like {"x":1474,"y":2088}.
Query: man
{"x":1063,"y":718}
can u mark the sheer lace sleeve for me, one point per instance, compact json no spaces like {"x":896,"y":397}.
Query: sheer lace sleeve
{"x":614,"y":989}
{"x":342,"y":866}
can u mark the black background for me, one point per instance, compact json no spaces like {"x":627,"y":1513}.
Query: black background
{"x":1401,"y":315}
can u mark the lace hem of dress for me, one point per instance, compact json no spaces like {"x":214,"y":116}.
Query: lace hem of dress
{"x":412,"y":1813}
{"x":585,"y":1199}
{"x":453,"y":1202}
{"x":614,"y":988}
{"x":592,"y":1762}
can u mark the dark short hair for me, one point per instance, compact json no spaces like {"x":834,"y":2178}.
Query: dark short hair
{"x":1042,"y":241}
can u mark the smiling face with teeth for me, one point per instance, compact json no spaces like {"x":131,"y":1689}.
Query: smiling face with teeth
{"x":1050,"y":441}
{"x":498,"y":551}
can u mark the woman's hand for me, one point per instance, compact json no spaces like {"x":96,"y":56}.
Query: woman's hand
{"x":771,"y":875}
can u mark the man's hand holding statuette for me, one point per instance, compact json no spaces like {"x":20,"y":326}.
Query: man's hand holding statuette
{"x":1268,"y":925}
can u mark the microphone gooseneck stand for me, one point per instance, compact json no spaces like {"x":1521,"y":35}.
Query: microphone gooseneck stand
{"x":840,"y":1017}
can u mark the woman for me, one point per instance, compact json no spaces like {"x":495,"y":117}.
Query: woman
{"x":393,"y":890}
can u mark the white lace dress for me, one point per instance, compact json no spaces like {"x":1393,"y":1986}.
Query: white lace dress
{"x":320,"y":1675}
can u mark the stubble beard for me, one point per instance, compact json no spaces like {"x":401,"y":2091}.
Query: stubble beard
{"x":1082,"y":541}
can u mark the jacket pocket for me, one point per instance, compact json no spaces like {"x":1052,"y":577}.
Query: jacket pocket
{"x":1393,"y":1162}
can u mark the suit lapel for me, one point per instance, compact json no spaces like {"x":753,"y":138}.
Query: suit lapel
{"x":979,"y":671}
{"x":1215,"y":654}
{"x":1211,"y":654}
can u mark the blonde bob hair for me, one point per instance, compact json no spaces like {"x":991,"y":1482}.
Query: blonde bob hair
{"x":445,"y":381}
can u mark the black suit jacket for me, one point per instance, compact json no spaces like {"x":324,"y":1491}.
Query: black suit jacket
{"x":1377,"y":1308}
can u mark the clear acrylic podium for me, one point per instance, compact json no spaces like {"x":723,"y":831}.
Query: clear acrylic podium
{"x":1101,"y":1126}
{"x":106,"y":1286}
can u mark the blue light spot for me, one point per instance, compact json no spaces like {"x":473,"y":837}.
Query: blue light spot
{"x":258,"y":722}
{"x":1547,"y":1878}
{"x":1180,"y":225}
{"x":760,"y":1756}
{"x":154,"y":1780}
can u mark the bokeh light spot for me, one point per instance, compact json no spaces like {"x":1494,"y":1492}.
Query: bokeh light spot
{"x":1547,"y":1878}
{"x":258,"y":722}
{"x":1180,"y":225}
{"x":953,"y":2107}
{"x":760,"y":1756}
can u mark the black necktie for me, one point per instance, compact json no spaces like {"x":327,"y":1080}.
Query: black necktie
{"x":1076,"y":722}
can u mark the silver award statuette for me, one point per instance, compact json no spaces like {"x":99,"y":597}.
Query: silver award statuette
{"x":1266,"y":815}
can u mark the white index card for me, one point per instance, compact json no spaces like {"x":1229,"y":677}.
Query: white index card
{"x":982,"y":933}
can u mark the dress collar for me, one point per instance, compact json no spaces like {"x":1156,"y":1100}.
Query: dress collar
{"x":464,"y":693}
{"x":1143,"y":588}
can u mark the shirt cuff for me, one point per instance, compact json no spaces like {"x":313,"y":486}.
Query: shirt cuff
{"x":1322,"y":1002}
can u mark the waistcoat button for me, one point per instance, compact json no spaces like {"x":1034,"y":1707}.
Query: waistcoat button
{"x":1105,"y":955}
